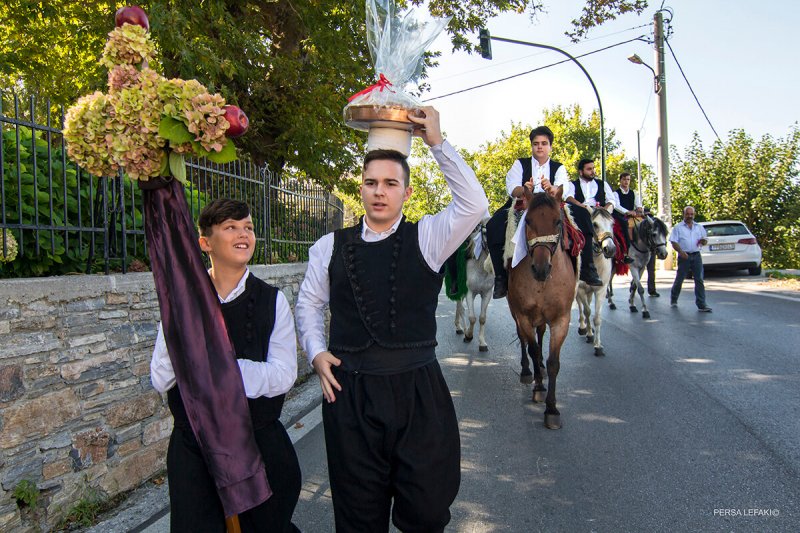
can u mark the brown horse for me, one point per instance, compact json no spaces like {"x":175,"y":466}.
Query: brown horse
{"x":541,"y":291}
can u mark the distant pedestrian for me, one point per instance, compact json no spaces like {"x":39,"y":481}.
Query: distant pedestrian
{"x":686,"y":238}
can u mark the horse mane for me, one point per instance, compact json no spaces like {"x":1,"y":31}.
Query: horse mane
{"x":644,"y":228}
{"x":662,"y":227}
{"x":603,"y":213}
{"x":542,"y":199}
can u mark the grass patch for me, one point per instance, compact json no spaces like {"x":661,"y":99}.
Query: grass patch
{"x":775,"y":274}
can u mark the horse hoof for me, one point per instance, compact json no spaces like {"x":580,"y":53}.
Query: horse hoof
{"x":539,"y":396}
{"x":634,"y":309}
{"x":582,"y":331}
{"x":612,"y":306}
{"x":526,"y":379}
{"x":459,"y":332}
{"x":646,"y":314}
{"x":589,"y":339}
{"x":483,"y":348}
{"x":467,"y":339}
{"x":552,"y":421}
{"x":598,"y":352}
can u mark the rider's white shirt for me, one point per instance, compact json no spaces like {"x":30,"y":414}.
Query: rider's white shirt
{"x":589,"y":189}
{"x":514,"y":176}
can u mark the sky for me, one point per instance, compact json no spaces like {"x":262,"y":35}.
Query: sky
{"x":730,"y":51}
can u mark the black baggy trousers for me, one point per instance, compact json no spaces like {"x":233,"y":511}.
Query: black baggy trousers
{"x":392,"y":438}
{"x":194,"y":504}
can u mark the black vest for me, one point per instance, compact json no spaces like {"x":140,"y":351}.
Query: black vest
{"x":250,"y":319}
{"x":600,"y":196}
{"x":382,"y":292}
{"x":527,"y":173}
{"x":628,"y":201}
{"x":527,"y":169}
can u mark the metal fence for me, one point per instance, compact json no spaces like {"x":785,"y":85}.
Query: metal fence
{"x":65,"y":220}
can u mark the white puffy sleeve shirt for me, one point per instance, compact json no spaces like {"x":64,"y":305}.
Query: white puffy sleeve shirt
{"x":270,"y":378}
{"x":439,"y":236}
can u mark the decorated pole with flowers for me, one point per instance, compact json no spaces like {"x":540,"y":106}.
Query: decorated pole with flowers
{"x":144,"y":125}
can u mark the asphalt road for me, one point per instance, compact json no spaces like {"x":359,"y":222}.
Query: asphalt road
{"x":689,"y":423}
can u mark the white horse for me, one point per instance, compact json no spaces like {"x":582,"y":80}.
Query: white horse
{"x":603,"y":250}
{"x":480,"y":280}
{"x":650,"y":237}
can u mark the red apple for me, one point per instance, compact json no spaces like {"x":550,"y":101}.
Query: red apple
{"x":132,"y":15}
{"x":237,"y":119}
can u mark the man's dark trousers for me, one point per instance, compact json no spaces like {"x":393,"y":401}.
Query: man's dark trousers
{"x":694,"y":263}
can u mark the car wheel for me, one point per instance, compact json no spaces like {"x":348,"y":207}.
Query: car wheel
{"x":755,"y":271}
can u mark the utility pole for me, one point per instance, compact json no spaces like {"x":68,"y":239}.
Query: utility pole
{"x":639,"y":165}
{"x":662,"y":147}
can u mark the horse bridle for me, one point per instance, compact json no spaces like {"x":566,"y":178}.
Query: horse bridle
{"x":651,"y":244}
{"x":550,"y":242}
{"x":597,"y":245}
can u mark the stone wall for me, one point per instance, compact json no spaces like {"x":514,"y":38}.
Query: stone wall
{"x":78,"y":415}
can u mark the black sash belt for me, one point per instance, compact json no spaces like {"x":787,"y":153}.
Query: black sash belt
{"x":381,"y":361}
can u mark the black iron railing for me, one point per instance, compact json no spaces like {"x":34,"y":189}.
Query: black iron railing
{"x":65,"y":220}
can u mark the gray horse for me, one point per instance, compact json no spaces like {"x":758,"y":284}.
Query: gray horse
{"x":480,"y":280}
{"x":603,"y":250}
{"x":650,"y":237}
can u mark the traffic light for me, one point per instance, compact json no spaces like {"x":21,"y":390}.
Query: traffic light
{"x":485,"y":43}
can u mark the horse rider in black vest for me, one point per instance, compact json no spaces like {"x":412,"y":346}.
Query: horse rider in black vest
{"x":583,"y":193}
{"x":538,"y":173}
{"x":627,"y":208}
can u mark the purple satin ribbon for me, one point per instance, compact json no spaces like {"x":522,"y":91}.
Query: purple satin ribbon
{"x":202,"y":355}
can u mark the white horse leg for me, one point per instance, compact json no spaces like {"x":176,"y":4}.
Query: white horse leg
{"x":645,"y":312}
{"x":470,"y":301}
{"x":459,"y":317}
{"x":587,"y":314}
{"x":580,"y":300}
{"x":598,"y":306}
{"x":485,"y":299}
{"x":633,"y":288}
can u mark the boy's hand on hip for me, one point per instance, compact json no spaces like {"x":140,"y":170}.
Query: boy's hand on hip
{"x":322,"y":364}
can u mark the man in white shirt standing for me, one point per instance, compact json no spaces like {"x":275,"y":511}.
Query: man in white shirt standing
{"x":583,"y":193}
{"x":391,"y":432}
{"x":686,"y":238}
{"x":536,"y":173}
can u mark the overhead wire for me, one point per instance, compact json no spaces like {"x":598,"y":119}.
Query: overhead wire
{"x":530,"y":71}
{"x":496,"y":64}
{"x":692,"y":90}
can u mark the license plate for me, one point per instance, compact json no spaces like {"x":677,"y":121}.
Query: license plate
{"x":727,"y":246}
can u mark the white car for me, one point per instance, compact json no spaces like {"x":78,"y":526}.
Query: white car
{"x":731,"y":246}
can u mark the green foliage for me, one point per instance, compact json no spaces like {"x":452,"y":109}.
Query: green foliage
{"x":291,"y":65}
{"x":740,"y":179}
{"x":85,"y":512}
{"x":61,"y":251}
{"x":431,"y":193}
{"x":26,"y":493}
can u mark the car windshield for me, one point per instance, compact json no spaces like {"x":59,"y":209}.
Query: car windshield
{"x":723,"y":230}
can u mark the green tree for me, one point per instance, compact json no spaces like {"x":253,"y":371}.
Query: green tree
{"x":741,"y":179}
{"x":290,"y":64}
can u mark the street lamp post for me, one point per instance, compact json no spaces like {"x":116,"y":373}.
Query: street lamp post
{"x":486,"y":53}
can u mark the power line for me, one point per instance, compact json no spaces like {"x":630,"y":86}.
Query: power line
{"x":692,"y":90}
{"x":531,"y":71}
{"x":496,"y":64}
